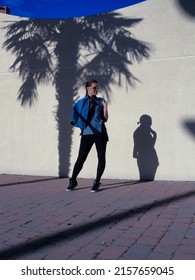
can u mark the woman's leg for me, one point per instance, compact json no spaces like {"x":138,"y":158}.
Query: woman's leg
{"x":101,"y":144}
{"x":86,"y":143}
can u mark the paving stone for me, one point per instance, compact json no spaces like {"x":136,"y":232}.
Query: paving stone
{"x":112,"y":252}
{"x":137,"y":252}
{"x":190,"y":233}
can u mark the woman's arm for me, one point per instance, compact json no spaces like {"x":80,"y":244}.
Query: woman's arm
{"x":105,"y":109}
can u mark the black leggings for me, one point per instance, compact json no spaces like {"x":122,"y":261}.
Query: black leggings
{"x":86,"y":144}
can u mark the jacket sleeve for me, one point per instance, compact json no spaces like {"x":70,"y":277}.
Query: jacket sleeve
{"x":79,"y":113}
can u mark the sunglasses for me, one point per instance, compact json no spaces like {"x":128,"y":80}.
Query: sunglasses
{"x":95,"y":88}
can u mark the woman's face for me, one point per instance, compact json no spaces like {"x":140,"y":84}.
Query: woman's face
{"x":92,"y":90}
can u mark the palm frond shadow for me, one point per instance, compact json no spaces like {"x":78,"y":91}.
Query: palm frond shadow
{"x":66,"y":53}
{"x":74,"y":232}
{"x":190,"y":126}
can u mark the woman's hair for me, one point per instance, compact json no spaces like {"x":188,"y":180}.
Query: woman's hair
{"x":88,"y":83}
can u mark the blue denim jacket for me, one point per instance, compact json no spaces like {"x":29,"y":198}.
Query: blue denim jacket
{"x":80,"y":115}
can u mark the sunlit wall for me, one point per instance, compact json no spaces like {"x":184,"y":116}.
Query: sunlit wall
{"x":163,"y":87}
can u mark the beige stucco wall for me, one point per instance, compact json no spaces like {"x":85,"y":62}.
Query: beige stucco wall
{"x":29,"y":136}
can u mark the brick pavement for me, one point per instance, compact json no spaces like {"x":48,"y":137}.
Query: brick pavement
{"x":126,"y":220}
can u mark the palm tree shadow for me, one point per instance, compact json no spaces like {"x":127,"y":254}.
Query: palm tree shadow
{"x":188,"y":6}
{"x":68,"y":52}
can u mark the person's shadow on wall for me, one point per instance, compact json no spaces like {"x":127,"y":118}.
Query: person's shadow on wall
{"x":144,"y":140}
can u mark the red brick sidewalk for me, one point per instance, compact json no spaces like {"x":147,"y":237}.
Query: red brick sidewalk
{"x":125,"y":220}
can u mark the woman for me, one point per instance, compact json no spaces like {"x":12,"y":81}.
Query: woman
{"x":90,"y":114}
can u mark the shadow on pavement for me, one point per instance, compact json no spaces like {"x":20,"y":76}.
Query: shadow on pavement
{"x":105,"y":186}
{"x":76,"y":231}
{"x":28,"y":181}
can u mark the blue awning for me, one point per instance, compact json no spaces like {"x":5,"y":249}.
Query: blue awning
{"x":64,"y":8}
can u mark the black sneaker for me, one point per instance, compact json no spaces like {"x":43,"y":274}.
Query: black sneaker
{"x":95,"y":187}
{"x":72,"y":185}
